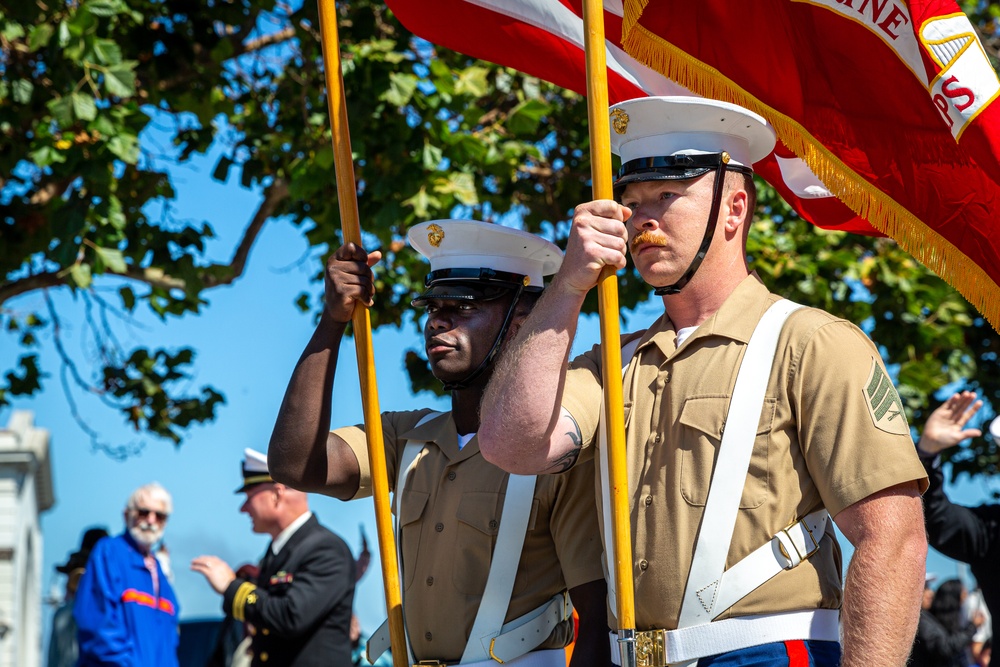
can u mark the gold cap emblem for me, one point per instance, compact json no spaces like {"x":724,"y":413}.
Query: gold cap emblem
{"x":726,"y":157}
{"x":619,"y":121}
{"x":435,"y":235}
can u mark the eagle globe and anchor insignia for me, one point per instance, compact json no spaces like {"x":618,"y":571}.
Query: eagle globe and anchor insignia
{"x":435,"y":235}
{"x":619,"y":121}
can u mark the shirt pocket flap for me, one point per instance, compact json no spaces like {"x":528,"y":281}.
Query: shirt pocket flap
{"x":413,"y":506}
{"x":480,"y":511}
{"x":706,"y":414}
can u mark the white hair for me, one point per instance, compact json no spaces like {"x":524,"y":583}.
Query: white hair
{"x":151,"y":491}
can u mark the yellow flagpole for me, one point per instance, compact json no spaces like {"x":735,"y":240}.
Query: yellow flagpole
{"x":347,"y":196}
{"x":611,"y":354}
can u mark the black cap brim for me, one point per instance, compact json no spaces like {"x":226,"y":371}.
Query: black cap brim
{"x":459,"y":291}
{"x":658,"y":174}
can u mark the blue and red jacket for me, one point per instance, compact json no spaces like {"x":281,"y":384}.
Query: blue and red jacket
{"x":119,"y":620}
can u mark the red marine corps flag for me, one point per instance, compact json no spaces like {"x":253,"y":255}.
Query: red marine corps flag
{"x":890,"y":103}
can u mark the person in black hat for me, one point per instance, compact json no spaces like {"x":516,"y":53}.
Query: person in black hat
{"x":63,"y":647}
{"x":486,"y":558}
{"x":750,"y":422}
{"x":299,"y":607}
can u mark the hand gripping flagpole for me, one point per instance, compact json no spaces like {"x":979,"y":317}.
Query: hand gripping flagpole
{"x":351,"y":227}
{"x":611,"y":354}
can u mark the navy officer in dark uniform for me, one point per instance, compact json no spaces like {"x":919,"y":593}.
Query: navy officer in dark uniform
{"x":299,"y":610}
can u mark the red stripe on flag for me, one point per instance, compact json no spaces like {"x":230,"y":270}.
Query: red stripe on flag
{"x":798,"y":654}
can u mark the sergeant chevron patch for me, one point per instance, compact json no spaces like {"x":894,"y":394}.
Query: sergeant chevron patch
{"x":883,"y":402}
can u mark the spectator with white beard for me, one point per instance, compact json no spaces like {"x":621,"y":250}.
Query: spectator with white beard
{"x":126,"y":610}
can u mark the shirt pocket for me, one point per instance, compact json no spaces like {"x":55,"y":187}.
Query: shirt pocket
{"x":702,"y":425}
{"x":478,"y":524}
{"x":412,"y":508}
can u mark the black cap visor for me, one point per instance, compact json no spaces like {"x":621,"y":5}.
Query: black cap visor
{"x":461,"y":292}
{"x":470,"y":285}
{"x":665,"y":168}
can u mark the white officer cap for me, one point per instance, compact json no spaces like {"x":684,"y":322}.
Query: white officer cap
{"x":649,"y":133}
{"x":479,"y":260}
{"x":254,"y":470}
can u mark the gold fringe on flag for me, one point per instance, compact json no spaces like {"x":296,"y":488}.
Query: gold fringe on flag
{"x":884,"y":213}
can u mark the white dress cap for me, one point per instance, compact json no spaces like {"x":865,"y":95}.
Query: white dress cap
{"x":254,"y":461}
{"x":254,"y":470}
{"x":471,"y":244}
{"x":679,"y":125}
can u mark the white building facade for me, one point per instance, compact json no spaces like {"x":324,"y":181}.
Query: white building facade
{"x":25,"y":492}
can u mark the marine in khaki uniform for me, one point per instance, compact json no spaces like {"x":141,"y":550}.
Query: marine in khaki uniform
{"x":452,"y":503}
{"x":829,"y":439}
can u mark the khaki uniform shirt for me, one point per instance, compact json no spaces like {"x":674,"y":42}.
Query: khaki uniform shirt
{"x":831,"y":432}
{"x":449,"y":518}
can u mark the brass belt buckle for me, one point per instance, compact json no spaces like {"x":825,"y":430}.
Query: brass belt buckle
{"x":802,"y":556}
{"x":430,"y":663}
{"x":650,"y":648}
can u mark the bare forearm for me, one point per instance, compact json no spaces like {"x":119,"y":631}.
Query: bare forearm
{"x":522,"y":403}
{"x":882,"y":598}
{"x":297,"y":453}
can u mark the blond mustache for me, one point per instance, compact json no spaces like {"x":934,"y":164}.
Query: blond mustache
{"x":648,"y":238}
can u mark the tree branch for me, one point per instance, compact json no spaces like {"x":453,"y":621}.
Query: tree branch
{"x":216,"y":274}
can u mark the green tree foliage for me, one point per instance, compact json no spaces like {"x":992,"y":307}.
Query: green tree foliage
{"x":434,"y":133}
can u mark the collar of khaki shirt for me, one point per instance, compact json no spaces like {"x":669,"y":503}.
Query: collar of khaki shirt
{"x":441,"y":431}
{"x":732,"y":320}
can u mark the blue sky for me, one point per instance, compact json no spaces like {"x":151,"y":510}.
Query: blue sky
{"x":247,"y":341}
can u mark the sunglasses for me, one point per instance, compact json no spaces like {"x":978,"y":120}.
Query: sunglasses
{"x":160,"y":516}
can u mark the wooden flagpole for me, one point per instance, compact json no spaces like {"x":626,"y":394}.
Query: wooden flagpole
{"x":611,"y":354}
{"x":351,"y":226}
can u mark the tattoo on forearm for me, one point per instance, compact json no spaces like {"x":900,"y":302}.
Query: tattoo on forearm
{"x":567,"y":460}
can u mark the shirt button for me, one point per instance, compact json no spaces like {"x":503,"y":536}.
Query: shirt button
{"x":649,"y":500}
{"x":439,"y":527}
{"x":428,"y":636}
{"x":430,"y":581}
{"x":266,"y":632}
{"x":656,"y":438}
{"x":263,"y":657}
{"x":451,"y":475}
{"x":643,"y":565}
{"x":493,"y":524}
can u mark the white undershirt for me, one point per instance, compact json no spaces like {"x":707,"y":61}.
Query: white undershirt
{"x":463,"y":440}
{"x":285,"y":535}
{"x":682,"y":334}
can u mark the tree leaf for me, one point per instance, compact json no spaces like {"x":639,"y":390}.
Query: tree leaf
{"x":125,"y":146}
{"x":80,"y":273}
{"x":21,"y":91}
{"x":128,"y":298}
{"x":104,"y":7}
{"x":39,"y":36}
{"x":61,"y":109}
{"x":112,"y":258}
{"x":432,"y":157}
{"x":401,"y":89}
{"x":107,"y":51}
{"x":83,"y":106}
{"x":120,"y":81}
{"x":221,"y":171}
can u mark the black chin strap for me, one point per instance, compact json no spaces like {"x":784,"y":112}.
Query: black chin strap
{"x":488,"y":360}
{"x":706,"y":241}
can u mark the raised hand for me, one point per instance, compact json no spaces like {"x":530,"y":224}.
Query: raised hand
{"x":598,"y":239}
{"x":349,"y":280}
{"x":945,"y":426}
